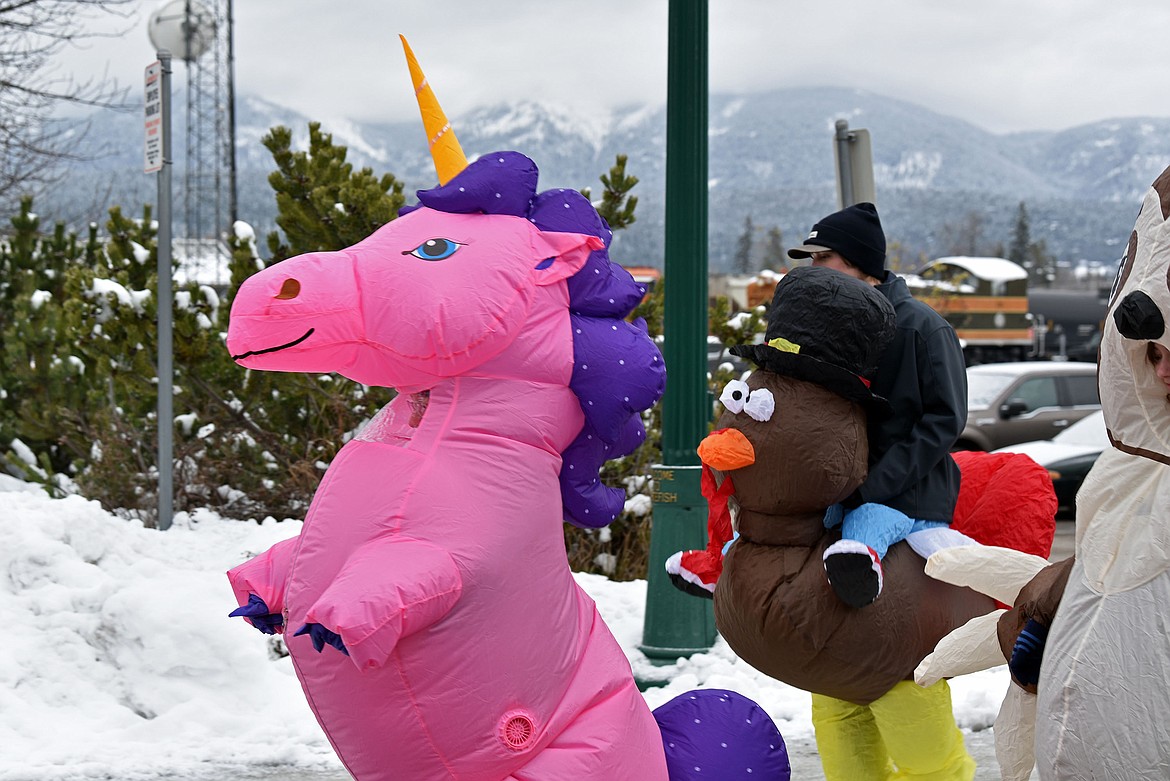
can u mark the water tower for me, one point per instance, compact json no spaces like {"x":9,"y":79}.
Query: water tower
{"x":199,"y":32}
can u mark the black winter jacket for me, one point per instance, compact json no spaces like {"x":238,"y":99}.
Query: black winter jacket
{"x":924,"y":377}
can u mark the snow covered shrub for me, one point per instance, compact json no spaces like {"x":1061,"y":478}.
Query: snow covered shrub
{"x":78,"y":381}
{"x":78,"y":387}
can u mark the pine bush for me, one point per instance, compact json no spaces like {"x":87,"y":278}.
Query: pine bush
{"x":78,"y":381}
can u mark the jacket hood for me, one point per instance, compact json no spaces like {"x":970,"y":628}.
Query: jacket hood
{"x":1134,"y":400}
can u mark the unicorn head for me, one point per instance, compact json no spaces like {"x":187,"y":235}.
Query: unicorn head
{"x":429,"y":296}
{"x":452,"y":284}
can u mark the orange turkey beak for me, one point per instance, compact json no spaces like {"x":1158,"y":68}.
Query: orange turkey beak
{"x":727,"y":449}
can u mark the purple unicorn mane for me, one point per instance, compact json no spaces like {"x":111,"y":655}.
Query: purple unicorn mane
{"x":617,"y":369}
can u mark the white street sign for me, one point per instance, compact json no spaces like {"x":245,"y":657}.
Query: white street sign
{"x":153,"y":117}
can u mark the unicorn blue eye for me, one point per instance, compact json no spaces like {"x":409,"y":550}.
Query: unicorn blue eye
{"x":434,"y":249}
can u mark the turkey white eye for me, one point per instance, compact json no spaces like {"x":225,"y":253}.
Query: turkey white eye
{"x":760,"y":405}
{"x":734,"y":396}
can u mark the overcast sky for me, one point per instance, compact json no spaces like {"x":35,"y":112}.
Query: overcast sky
{"x":1004,"y":65}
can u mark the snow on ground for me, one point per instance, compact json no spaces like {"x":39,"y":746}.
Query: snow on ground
{"x":119,"y":660}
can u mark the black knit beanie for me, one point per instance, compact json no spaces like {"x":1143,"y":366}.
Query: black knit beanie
{"x":855,"y":233}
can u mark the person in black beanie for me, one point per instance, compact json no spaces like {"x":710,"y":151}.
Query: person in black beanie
{"x":913,"y":482}
{"x":854,"y":236}
{"x":912,"y":486}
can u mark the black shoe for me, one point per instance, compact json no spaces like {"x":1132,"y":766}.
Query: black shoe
{"x":854,"y":571}
{"x":679,"y":565}
{"x":685,"y":586}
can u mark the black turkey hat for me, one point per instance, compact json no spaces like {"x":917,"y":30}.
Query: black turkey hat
{"x":829,"y":328}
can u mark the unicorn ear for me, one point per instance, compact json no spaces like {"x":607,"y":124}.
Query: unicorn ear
{"x":560,"y":255}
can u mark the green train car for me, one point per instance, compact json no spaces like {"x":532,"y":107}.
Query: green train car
{"x":985,"y":299}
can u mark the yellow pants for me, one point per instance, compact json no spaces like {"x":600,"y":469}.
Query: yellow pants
{"x":908,"y":733}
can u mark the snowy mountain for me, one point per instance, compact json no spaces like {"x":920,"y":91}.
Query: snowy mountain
{"x":770,"y":158}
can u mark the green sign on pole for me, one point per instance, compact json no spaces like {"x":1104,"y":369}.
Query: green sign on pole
{"x":678,"y":624}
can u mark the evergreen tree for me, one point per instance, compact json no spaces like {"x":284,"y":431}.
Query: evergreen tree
{"x":741,"y":261}
{"x":33,"y":377}
{"x":1032,"y":255}
{"x":299,"y":421}
{"x":78,"y":388}
{"x":1042,"y":266}
{"x":775,"y":255}
{"x":651,"y":308}
{"x":322,"y":204}
{"x":621,"y":550}
{"x":730,"y":328}
{"x":79,"y":379}
{"x":1019,"y":249}
{"x":617,"y":205}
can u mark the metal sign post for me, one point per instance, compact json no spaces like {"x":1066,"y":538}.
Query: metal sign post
{"x":159,"y":159}
{"x":854,"y":157}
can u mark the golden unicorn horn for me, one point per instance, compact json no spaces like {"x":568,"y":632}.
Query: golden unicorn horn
{"x":448,"y":155}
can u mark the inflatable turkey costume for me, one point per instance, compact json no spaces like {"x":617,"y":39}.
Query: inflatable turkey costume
{"x":791,"y":443}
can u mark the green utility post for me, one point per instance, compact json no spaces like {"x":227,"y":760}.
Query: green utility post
{"x":678,"y":624}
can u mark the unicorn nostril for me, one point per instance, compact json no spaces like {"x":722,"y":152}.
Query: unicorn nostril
{"x":290,"y":289}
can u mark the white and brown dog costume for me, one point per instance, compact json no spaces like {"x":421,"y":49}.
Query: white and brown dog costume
{"x":1102,"y":707}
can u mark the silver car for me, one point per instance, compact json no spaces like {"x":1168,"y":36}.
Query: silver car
{"x":1008,"y":403}
{"x":1068,"y":457}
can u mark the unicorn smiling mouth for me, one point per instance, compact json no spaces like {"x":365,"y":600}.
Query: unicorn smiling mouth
{"x":293,"y":343}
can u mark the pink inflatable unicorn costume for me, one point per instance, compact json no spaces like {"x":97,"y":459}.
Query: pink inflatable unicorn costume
{"x":433,"y":553}
{"x":432,"y":559}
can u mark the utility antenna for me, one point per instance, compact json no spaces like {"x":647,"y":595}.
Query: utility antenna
{"x":199,"y":32}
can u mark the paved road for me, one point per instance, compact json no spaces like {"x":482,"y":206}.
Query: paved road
{"x":1062,"y":545}
{"x":806,"y":763}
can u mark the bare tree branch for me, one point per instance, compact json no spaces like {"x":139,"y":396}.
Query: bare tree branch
{"x":33,"y":145}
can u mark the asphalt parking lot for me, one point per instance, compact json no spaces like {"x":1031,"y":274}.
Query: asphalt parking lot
{"x":802,"y":754}
{"x":1062,"y":544}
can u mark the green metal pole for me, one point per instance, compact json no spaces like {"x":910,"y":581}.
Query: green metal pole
{"x":677,"y":624}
